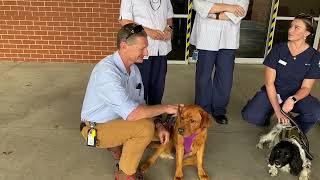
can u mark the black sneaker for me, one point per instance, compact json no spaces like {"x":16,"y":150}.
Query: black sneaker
{"x":221,"y":119}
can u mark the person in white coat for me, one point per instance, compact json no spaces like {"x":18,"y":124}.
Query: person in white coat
{"x":156,"y":18}
{"x":215,"y":34}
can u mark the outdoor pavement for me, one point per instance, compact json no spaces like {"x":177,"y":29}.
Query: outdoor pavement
{"x":40,"y":107}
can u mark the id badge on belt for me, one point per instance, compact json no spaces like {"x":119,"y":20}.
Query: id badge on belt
{"x":92,"y":135}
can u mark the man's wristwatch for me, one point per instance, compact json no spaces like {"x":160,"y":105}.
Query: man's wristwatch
{"x":294,"y":99}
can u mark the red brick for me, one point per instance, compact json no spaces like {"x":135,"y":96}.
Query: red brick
{"x":16,"y":8}
{"x":43,"y":51}
{"x":10,"y":3}
{"x":53,"y":23}
{"x":51,"y":3}
{"x":29,"y":51}
{"x":36,"y":55}
{"x":55,"y":42}
{"x":15,"y":41}
{"x":25,"y":13}
{"x":53,"y":33}
{"x":34,"y":28}
{"x":65,"y":4}
{"x":59,"y":28}
{"x":27,"y":32}
{"x":6,"y":36}
{"x":26,"y":23}
{"x":76,"y":56}
{"x":31,"y":8}
{"x":13,"y":22}
{"x":79,"y":4}
{"x":41,"y":32}
{"x":36,"y":37}
{"x":24,"y":55}
{"x":16,"y":51}
{"x":28,"y":41}
{"x":48,"y":46}
{"x":46,"y":9}
{"x":66,"y":34}
{"x":42,"y":42}
{"x":37,"y":3}
{"x":47,"y":37}
{"x":53,"y":14}
{"x":63,"y":56}
{"x":23,"y":46}
{"x":40,"y":23}
{"x":59,"y":18}
{"x":22,"y":36}
{"x":46,"y":56}
{"x":33,"y":46}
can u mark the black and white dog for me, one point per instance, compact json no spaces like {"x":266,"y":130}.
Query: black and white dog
{"x":287,"y":154}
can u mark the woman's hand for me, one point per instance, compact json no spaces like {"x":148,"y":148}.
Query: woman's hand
{"x":167,"y":34}
{"x":282,"y":119}
{"x":236,"y":10}
{"x":288,"y":105}
{"x":155,"y":34}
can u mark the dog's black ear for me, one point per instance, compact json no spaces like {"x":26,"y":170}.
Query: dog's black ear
{"x":296,"y":161}
{"x":206,"y":119}
{"x":272,"y":155}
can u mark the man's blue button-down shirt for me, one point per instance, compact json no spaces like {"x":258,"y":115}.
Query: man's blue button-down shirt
{"x":112,"y":92}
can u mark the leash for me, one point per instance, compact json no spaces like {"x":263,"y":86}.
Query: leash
{"x":304,"y":138}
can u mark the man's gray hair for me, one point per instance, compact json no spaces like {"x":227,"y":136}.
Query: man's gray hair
{"x":129,"y":32}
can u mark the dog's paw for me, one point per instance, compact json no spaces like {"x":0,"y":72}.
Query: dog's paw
{"x":303,"y":178}
{"x":143,"y":169}
{"x":259,"y":146}
{"x":166,"y":156}
{"x":204,"y":177}
{"x":273,"y":172}
{"x":178,"y":178}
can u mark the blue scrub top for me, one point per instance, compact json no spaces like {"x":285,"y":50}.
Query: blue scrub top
{"x":291,"y":72}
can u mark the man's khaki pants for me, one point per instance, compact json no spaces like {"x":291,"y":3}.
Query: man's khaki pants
{"x":133,"y":135}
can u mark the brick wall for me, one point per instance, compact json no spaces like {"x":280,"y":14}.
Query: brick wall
{"x":58,"y":30}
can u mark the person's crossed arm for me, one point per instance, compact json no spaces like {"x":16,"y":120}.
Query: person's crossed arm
{"x":233,"y":12}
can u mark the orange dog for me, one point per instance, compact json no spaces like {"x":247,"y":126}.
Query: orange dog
{"x":189,"y":137}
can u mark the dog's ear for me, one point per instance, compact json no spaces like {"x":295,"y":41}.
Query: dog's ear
{"x":272,"y":155}
{"x":296,"y":161}
{"x":206,"y":119}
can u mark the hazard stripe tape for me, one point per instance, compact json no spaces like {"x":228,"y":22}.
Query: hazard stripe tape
{"x":273,"y":25}
{"x":188,"y":29}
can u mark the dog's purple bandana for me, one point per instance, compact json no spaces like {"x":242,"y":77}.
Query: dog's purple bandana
{"x":188,"y":142}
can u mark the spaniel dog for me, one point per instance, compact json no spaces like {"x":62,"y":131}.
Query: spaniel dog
{"x":287,"y":154}
{"x":188,"y":138}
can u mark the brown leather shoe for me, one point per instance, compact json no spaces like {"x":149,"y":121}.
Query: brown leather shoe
{"x":120,"y":175}
{"x":116,"y":152}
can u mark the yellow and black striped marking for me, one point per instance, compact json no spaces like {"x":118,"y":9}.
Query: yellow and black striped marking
{"x":273,"y":25}
{"x":188,"y":29}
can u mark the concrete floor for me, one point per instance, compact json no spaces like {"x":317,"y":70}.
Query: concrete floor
{"x":39,"y":127}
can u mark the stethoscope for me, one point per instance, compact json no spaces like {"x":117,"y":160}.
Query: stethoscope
{"x":152,"y":2}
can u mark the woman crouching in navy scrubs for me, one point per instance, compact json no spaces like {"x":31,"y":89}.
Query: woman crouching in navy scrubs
{"x":291,"y":71}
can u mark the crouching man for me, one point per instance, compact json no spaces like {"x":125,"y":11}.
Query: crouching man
{"x":114,"y":114}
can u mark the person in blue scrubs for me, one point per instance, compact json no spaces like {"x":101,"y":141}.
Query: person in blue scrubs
{"x":291,"y":71}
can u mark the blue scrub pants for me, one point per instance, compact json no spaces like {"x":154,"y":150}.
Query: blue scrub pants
{"x":259,"y":109}
{"x":213,"y":93}
{"x":153,"y":72}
